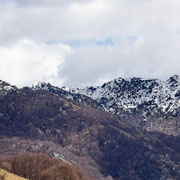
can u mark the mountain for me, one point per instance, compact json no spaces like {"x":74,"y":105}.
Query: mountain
{"x":151,"y":104}
{"x":104,"y":145}
{"x":5,"y":88}
{"x":134,"y":92}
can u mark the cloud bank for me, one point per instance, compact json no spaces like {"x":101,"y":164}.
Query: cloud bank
{"x":82,"y":42}
{"x":26,"y":61}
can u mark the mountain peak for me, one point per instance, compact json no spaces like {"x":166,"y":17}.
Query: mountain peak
{"x":174,"y":79}
{"x":5,"y":87}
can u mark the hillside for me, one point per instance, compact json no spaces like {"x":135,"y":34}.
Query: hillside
{"x":4,"y":175}
{"x":148,"y":104}
{"x":101,"y":144}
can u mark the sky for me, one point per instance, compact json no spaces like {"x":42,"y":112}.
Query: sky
{"x":88,"y":42}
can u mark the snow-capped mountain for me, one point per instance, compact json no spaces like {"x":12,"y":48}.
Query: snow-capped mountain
{"x":65,"y":92}
{"x":100,"y":143}
{"x":116,"y":143}
{"x":5,"y":88}
{"x":149,"y":104}
{"x":126,"y":94}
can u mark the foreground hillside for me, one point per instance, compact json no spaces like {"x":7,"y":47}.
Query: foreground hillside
{"x":101,"y":144}
{"x":4,"y":175}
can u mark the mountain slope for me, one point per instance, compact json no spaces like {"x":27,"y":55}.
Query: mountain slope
{"x":151,"y":104}
{"x":103,"y":140}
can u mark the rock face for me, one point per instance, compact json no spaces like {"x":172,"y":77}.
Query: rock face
{"x":152,"y":104}
{"x":99,"y":142}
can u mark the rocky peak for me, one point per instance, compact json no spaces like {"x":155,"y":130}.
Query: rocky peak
{"x":174,"y":78}
{"x":130,"y":93}
{"x":5,"y":88}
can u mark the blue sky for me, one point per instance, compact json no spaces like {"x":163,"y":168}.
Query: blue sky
{"x":109,"y":41}
{"x":88,"y":42}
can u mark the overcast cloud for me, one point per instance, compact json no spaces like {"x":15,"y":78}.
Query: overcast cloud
{"x":83,"y":42}
{"x":27,"y":62}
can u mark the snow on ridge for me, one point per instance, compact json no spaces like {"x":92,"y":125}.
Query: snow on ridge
{"x":132,"y":92}
{"x":125,"y":94}
{"x":5,"y":88}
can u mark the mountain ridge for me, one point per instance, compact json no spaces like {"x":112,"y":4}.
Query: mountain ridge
{"x":109,"y":145}
{"x":144,"y":103}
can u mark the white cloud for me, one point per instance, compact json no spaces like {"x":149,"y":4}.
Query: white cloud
{"x":146,"y":35}
{"x":93,"y":65}
{"x":92,"y":19}
{"x":27,"y":62}
{"x":47,"y":2}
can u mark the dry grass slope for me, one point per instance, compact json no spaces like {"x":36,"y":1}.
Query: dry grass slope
{"x":4,"y":175}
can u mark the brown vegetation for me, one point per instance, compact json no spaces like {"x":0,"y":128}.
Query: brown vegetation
{"x":63,"y":171}
{"x":42,"y":167}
